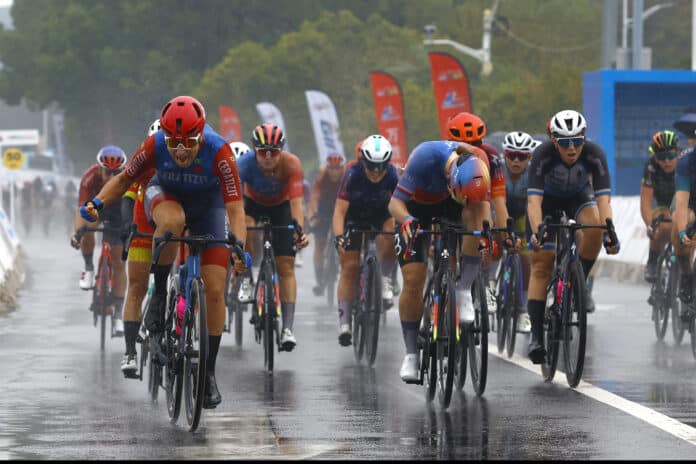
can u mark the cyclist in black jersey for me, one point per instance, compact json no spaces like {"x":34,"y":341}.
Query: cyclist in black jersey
{"x":685,"y":205}
{"x":657,"y":194}
{"x":686,"y":124}
{"x":569,"y":174}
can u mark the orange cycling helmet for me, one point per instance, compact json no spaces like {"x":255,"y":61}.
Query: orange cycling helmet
{"x":469,"y":179}
{"x":182,"y":117}
{"x":466,"y":127}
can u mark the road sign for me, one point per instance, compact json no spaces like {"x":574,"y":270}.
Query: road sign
{"x":13,"y":158}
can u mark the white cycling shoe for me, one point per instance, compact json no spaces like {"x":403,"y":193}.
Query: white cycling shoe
{"x":345,"y":335}
{"x":87,"y":280}
{"x":410,"y":371}
{"x":287,"y":340}
{"x":387,"y":289}
{"x":118,"y":326}
{"x":524,"y":325}
{"x":129,"y":365}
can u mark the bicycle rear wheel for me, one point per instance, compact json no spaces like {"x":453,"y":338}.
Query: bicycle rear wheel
{"x":477,"y":338}
{"x":513,"y":302}
{"x":173,"y":373}
{"x":678,"y":327}
{"x":661,"y":298}
{"x":101,"y":290}
{"x":447,"y":339}
{"x":195,"y":353}
{"x":372,"y":311}
{"x":501,"y":285}
{"x":268,"y":319}
{"x":154,"y":377}
{"x":552,"y":334}
{"x":574,"y":325}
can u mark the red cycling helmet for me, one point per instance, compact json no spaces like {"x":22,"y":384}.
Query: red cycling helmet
{"x":466,"y":127}
{"x":358,"y":153}
{"x":182,"y":117}
{"x":469,"y":179}
{"x":268,"y":136}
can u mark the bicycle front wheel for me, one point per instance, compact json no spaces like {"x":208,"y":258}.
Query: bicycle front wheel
{"x":372,"y":312}
{"x":513,"y":302}
{"x":195,"y":353}
{"x":359,"y":315}
{"x":173,"y":378}
{"x":661,"y":298}
{"x":447,"y":338}
{"x":266,"y":291}
{"x":502,"y":286}
{"x":552,"y":334}
{"x":330,"y":271}
{"x":477,"y":338}
{"x":678,"y":327}
{"x":574,"y":325}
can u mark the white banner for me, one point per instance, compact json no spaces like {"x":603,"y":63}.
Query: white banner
{"x":271,"y":114}
{"x":324,"y":124}
{"x":63,"y":163}
{"x":631,"y":231}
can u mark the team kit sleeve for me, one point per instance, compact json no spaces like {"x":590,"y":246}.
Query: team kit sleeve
{"x":536,"y":178}
{"x":142,"y":160}
{"x":295,"y":178}
{"x":87,"y":185}
{"x":344,"y":189}
{"x":601,"y":180}
{"x":648,"y":175}
{"x":225,"y":168}
{"x":682,"y":182}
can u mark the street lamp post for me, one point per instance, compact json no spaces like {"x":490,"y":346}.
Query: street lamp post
{"x":483,"y":54}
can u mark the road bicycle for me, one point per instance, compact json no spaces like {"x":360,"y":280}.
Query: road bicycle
{"x":235,"y":308}
{"x":367,"y":307}
{"x":184,"y":342}
{"x":102,"y":293}
{"x":510,"y":285}
{"x":663,"y":292}
{"x":267,"y":295}
{"x":443,"y":350}
{"x":565,"y":317}
{"x":330,"y":270}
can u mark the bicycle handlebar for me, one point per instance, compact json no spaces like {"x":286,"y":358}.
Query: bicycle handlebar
{"x":455,"y":228}
{"x":237,"y":245}
{"x":573,"y":226}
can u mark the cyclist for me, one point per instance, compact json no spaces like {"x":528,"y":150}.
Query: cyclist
{"x":442,"y":179}
{"x":196,"y":185}
{"x":517,"y":148}
{"x":239,"y":149}
{"x":363,"y":200}
{"x":110,"y":162}
{"x":657,"y":194}
{"x":273,"y":189}
{"x":686,"y":124}
{"x":321,"y":209}
{"x":685,"y":205}
{"x":570,"y":174}
{"x":139,"y":258}
{"x":469,"y":128}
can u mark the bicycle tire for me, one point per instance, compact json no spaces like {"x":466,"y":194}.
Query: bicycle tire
{"x":103,"y":290}
{"x":574,"y":315}
{"x":195,"y":326}
{"x":501,"y":286}
{"x":173,"y":377}
{"x":268,"y":317}
{"x":330,"y":270}
{"x":478,"y":337}
{"x":692,"y":333}
{"x":678,"y":327}
{"x":430,"y":359}
{"x":359,"y":316}
{"x":154,"y":377}
{"x":514,"y":303}
{"x":661,"y":304}
{"x":552,"y":326}
{"x":373,"y":311}
{"x":447,"y":340}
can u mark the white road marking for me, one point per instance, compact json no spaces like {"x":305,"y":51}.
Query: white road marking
{"x":650,"y":416}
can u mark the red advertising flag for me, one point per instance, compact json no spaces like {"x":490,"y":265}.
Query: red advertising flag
{"x":451,"y":88}
{"x":230,"y":125}
{"x":389,"y":109}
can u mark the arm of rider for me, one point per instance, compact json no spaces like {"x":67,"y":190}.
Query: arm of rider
{"x":605,"y":212}
{"x":398,"y":210}
{"x":112,"y":190}
{"x":681,"y":215}
{"x":297,"y":212}
{"x":534,"y":216}
{"x":339,"y":221}
{"x":646,"y":197}
{"x":235,"y":216}
{"x":313,"y":206}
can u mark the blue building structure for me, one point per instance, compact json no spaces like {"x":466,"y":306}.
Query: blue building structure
{"x":624,"y":108}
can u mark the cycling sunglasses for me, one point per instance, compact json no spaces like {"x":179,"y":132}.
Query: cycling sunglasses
{"x":666,"y":155}
{"x":265,"y":152}
{"x":187,"y":143}
{"x":372,"y":166}
{"x":517,"y":155}
{"x":565,"y":142}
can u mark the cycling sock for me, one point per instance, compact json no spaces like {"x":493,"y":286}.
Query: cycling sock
{"x":536,"y":308}
{"x":161,"y":273}
{"x":344,"y":311}
{"x":288,"y":310}
{"x":118,"y":307}
{"x":89,"y":262}
{"x":213,"y":346}
{"x":410,"y":331}
{"x":587,"y":265}
{"x":130,"y":329}
{"x":652,"y":256}
{"x":470,"y":269}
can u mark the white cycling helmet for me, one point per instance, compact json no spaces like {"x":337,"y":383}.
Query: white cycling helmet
{"x":567,"y":123}
{"x":536,"y":144}
{"x":239,"y":148}
{"x":376,"y":149}
{"x":519,"y":141}
{"x":154,"y":127}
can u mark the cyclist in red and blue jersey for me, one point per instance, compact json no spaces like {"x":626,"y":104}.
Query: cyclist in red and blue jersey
{"x":196,"y":185}
{"x":442,"y":179}
{"x":110,"y":161}
{"x":363,"y":200}
{"x":273,"y":189}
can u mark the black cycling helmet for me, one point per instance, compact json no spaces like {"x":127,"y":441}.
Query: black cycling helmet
{"x":687,"y":125}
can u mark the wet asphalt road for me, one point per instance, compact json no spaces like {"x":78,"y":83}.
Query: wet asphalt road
{"x":63,"y":399}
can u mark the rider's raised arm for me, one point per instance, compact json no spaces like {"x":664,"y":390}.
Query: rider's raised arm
{"x":225,"y":168}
